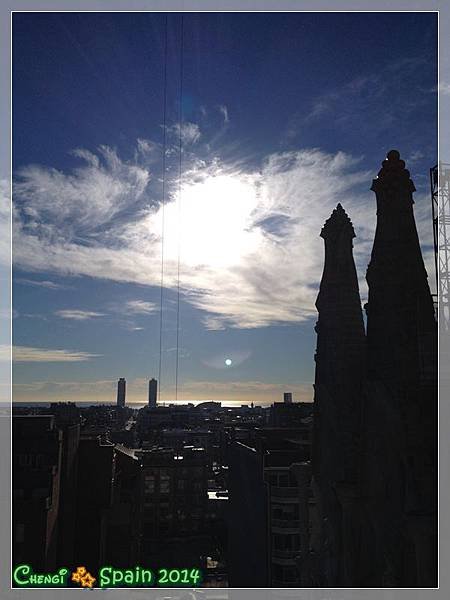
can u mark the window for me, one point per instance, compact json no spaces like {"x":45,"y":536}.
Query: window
{"x":285,"y":512}
{"x":287,"y":543}
{"x":25,"y":460}
{"x":279,"y":479}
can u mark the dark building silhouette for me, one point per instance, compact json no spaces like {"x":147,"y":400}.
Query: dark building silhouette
{"x":79,"y":499}
{"x":287,"y":397}
{"x":37,"y":448}
{"x":216,"y":522}
{"x":173,"y":498}
{"x":248,"y":557}
{"x":124,"y":517}
{"x":94,"y":500}
{"x":121,"y":391}
{"x":153,"y":419}
{"x":374,"y":452}
{"x":289,"y":414}
{"x":161,"y":512}
{"x":271,"y":509}
{"x":45,"y":476}
{"x":67,"y":420}
{"x":152,"y":392}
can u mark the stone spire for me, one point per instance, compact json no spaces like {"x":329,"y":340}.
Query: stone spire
{"x":338,"y":391}
{"x":340,"y":326}
{"x":402,"y":345}
{"x":400,"y":309}
{"x":340,"y":352}
{"x":338,"y":222}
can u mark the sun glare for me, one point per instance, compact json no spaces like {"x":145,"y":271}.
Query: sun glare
{"x":213,"y":218}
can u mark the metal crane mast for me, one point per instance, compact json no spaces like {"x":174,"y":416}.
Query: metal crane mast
{"x":440,"y":188}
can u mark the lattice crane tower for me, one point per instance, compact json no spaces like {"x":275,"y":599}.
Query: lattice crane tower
{"x":440,"y":188}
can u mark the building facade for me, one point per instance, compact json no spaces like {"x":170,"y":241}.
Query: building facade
{"x":37,"y":451}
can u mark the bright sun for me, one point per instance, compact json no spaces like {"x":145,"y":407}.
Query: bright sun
{"x":214,"y":215}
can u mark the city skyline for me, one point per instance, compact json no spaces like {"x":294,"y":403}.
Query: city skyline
{"x":258,"y":182}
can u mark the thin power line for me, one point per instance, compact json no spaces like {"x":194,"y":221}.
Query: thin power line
{"x":162,"y":210}
{"x":180,"y":150}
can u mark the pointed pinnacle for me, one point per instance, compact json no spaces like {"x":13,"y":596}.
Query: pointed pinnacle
{"x":338,"y":222}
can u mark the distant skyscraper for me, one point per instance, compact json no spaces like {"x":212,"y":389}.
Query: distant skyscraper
{"x":121,"y":389}
{"x":287,"y":396}
{"x":152,"y":392}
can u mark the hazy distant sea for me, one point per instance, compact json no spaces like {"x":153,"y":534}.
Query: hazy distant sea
{"x":229,"y":403}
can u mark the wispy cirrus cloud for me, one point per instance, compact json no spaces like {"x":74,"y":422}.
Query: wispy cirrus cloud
{"x":22,"y":354}
{"x":190,"y":132}
{"x":139,"y":307}
{"x":250,"y":251}
{"x":80,"y":204}
{"x":68,"y":387}
{"x":78,"y":315}
{"x":50,"y":285}
{"x":130,"y":326}
{"x":224,"y":112}
{"x":147,"y":147}
{"x":130,"y":312}
{"x":414,"y":157}
{"x":381,"y":94}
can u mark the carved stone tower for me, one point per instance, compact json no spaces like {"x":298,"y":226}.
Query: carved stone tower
{"x":340,"y":368}
{"x":340,"y":355}
{"x":401,"y":326}
{"x":375,"y":429}
{"x":402,"y":367}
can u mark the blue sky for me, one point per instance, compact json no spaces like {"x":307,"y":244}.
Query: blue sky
{"x":283,"y":116}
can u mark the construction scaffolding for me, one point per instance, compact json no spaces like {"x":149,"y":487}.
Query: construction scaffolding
{"x":440,"y":188}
